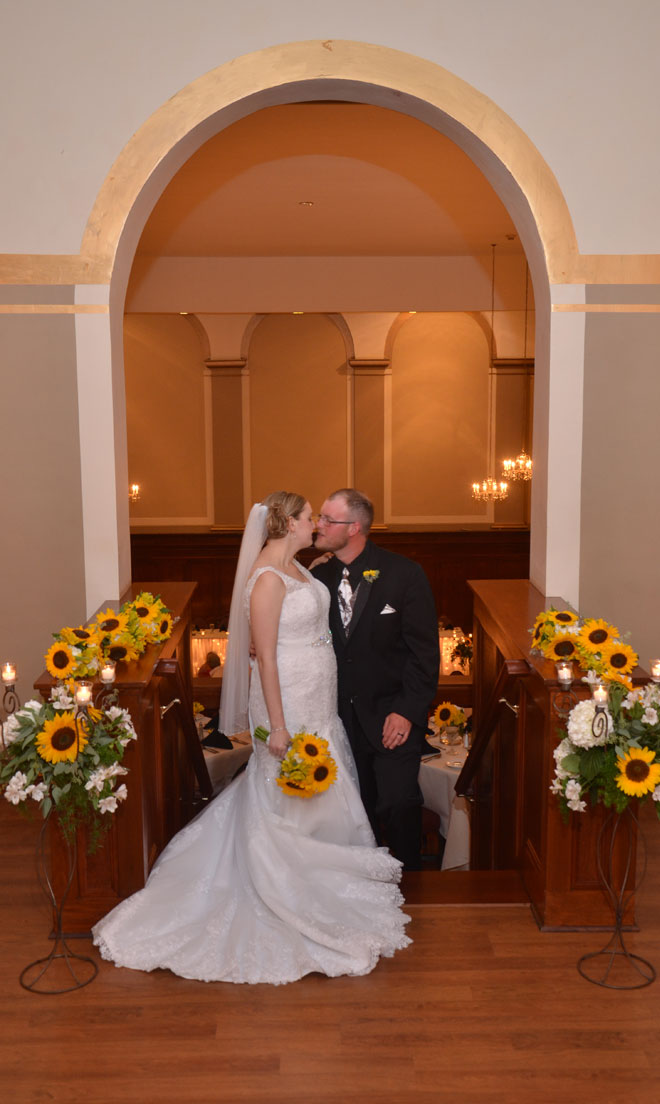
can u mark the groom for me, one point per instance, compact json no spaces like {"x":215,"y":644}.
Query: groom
{"x":385,"y":636}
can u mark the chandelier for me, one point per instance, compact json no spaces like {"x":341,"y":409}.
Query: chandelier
{"x":490,"y":490}
{"x":520,"y":468}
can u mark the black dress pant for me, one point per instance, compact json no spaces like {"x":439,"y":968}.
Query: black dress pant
{"x":390,"y":791}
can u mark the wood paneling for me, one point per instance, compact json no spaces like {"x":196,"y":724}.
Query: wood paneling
{"x":449,"y":558}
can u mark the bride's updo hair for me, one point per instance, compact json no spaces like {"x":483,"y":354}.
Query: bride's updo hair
{"x":282,"y":505}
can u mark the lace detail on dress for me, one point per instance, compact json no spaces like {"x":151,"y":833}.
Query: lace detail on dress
{"x":263,"y":887}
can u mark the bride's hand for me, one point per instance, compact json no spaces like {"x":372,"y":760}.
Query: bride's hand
{"x":320,"y":560}
{"x":278,"y":742}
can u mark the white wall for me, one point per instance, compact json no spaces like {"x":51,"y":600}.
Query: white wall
{"x":580,"y":79}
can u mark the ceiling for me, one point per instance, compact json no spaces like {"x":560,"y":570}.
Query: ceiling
{"x":328,"y":179}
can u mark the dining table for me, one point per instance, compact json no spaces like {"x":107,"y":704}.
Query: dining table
{"x":438,"y":774}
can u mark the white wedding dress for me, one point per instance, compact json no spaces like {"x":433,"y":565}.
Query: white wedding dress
{"x":263,"y":886}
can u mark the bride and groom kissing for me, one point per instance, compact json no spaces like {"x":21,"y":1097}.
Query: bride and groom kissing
{"x":264,"y":886}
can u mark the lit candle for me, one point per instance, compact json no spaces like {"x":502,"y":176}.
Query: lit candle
{"x":655,"y":670}
{"x":565,"y":673}
{"x":83,"y":694}
{"x":600,"y":695}
{"x":9,"y":673}
{"x":107,"y":673}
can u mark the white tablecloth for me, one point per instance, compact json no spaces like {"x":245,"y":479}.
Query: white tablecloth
{"x":437,"y":781}
{"x":222,"y":763}
{"x":207,"y":641}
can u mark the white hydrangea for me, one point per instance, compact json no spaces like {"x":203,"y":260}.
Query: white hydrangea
{"x":580,"y":725}
{"x":561,"y":751}
{"x":15,"y":790}
{"x":10,"y":729}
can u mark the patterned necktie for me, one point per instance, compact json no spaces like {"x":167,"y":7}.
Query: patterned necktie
{"x":346,"y":598}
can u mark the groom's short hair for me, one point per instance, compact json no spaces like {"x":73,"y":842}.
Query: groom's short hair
{"x":358,"y":505}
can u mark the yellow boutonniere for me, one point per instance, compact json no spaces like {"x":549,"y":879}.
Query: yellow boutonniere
{"x":370,"y":575}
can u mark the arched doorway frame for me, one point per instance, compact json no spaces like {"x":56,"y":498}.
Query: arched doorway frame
{"x":357,"y":72}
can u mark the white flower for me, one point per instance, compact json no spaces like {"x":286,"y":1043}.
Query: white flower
{"x":573,"y":789}
{"x":61,"y":698}
{"x":591,"y":677}
{"x":37,"y":792}
{"x":10,"y":729}
{"x":34,"y":705}
{"x":650,"y":715}
{"x":121,"y":793}
{"x":561,"y":751}
{"x":580,"y":723}
{"x":656,"y":794}
{"x":115,"y":769}
{"x":632,"y":697}
{"x":15,"y":790}
{"x":556,"y":786}
{"x":96,"y":780}
{"x":576,"y":805}
{"x":108,"y":804}
{"x":115,"y":713}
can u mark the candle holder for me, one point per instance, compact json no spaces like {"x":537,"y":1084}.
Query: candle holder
{"x":107,"y":676}
{"x":600,"y":723}
{"x":10,"y":699}
{"x":563,"y":699}
{"x":655,"y":670}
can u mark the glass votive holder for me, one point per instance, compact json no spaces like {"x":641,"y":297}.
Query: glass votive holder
{"x":9,"y":674}
{"x":600,"y":695}
{"x":108,"y":672}
{"x":82,"y":694}
{"x":564,"y":669}
{"x":655,"y":670}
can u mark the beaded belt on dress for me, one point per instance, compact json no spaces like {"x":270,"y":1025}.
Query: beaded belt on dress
{"x":325,"y":639}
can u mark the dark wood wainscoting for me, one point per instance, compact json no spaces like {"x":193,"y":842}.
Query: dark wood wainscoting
{"x":449,"y":559}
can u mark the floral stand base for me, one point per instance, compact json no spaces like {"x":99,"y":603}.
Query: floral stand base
{"x":615,"y":967}
{"x":62,"y":971}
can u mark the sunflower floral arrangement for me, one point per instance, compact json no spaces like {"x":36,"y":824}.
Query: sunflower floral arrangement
{"x":67,"y":762}
{"x":307,"y":768}
{"x":621,"y":763}
{"x":449,"y":716}
{"x":122,"y":636}
{"x":594,"y":644}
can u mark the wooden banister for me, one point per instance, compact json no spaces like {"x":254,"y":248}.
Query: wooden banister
{"x":510,"y":671}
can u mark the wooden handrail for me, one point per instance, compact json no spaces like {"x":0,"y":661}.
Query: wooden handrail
{"x":169,"y":668}
{"x":510,"y":670}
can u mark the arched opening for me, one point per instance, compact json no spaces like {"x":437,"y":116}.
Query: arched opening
{"x":340,"y":71}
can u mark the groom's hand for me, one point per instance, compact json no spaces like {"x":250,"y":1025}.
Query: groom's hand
{"x":396,"y":730}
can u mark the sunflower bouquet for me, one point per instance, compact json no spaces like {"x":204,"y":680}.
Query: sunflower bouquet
{"x":592,"y":643}
{"x":449,"y":716}
{"x":621,"y":762}
{"x":66,"y":760}
{"x":121,"y":636}
{"x":307,"y":768}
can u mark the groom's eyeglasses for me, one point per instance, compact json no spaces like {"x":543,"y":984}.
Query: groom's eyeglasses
{"x":331,"y":521}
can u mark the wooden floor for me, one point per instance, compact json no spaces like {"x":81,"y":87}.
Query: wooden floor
{"x":482,"y":1008}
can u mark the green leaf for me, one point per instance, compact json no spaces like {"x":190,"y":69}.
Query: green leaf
{"x":571,"y":763}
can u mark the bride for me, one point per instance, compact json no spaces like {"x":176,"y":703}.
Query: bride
{"x":264,"y":886}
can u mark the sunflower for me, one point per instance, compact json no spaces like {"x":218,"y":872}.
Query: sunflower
{"x":146,"y":611}
{"x":310,"y":747}
{"x":161,"y":628}
{"x":60,"y":660}
{"x":639,"y":772}
{"x":59,"y":740}
{"x":444,"y":714}
{"x":596,"y":634}
{"x":323,"y":775}
{"x":292,"y":788}
{"x":562,"y":617}
{"x":562,"y":646}
{"x":81,"y":636}
{"x":111,"y":622}
{"x":121,"y":648}
{"x":619,"y":658}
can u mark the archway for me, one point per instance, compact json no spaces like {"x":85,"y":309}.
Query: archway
{"x":346,"y":71}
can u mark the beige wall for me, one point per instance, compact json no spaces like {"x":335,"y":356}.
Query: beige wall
{"x":298,"y":411}
{"x":165,"y":419}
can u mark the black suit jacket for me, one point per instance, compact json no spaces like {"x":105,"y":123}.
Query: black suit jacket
{"x":389,"y":661}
